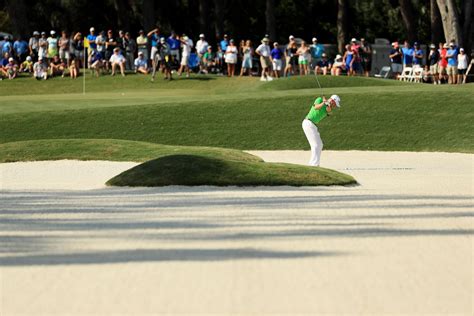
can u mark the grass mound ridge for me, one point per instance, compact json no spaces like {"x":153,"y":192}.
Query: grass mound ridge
{"x":196,"y":170}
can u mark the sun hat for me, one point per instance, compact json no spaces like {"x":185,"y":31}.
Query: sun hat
{"x":265,"y":40}
{"x":315,"y":39}
{"x":336,"y":99}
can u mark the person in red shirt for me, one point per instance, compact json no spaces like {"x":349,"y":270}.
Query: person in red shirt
{"x":443,"y":61}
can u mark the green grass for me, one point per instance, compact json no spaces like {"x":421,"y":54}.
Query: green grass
{"x":241,"y":113}
{"x":200,"y":170}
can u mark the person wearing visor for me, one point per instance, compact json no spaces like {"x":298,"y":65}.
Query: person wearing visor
{"x":320,"y":109}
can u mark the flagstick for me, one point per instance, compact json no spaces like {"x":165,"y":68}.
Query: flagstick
{"x":84,"y":73}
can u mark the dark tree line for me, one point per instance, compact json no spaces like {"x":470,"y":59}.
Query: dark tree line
{"x":330,"y":20}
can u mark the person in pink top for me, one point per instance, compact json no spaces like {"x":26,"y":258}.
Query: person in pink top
{"x":443,"y":61}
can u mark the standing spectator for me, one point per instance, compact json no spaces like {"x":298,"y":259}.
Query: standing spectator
{"x":174,"y":45}
{"x":462,"y":66}
{"x":366,"y":56}
{"x":117,"y":59}
{"x":122,"y":42}
{"x":187,"y":45}
{"x":27,"y":65}
{"x":92,"y":44}
{"x":40,"y":71}
{"x":317,"y":51}
{"x":349,"y":60}
{"x":452,"y":55}
{"x":7,"y":46}
{"x":166,"y":58}
{"x":224,"y":43}
{"x":433,"y":58}
{"x":418,"y":55}
{"x":43,"y":46}
{"x":263,"y":50}
{"x":100,"y":42}
{"x":142,"y":44}
{"x":141,"y":64}
{"x":396,"y":59}
{"x":56,"y":67}
{"x":201,"y":49}
{"x":77,"y":47}
{"x":64,"y":46}
{"x":291,"y":57}
{"x":356,"y":58}
{"x":231,"y":58}
{"x":209,"y":60}
{"x":154,"y":36}
{"x":276,"y":57}
{"x":33,"y":45}
{"x":443,"y":61}
{"x":323,"y":66}
{"x":247,"y":56}
{"x":303,"y":58}
{"x":110,"y":45}
{"x":407,"y":54}
{"x":20,"y":48}
{"x":130,"y":50}
{"x":52,"y":45}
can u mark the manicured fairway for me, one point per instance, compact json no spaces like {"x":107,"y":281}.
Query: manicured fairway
{"x":241,"y":113}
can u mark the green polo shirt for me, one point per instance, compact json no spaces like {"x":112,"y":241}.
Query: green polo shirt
{"x":314,"y":115}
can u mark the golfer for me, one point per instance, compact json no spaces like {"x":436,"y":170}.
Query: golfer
{"x":319,"y":110}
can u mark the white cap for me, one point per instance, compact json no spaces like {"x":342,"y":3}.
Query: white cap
{"x":315,"y":39}
{"x":92,"y":29}
{"x":291,"y":37}
{"x":338,"y":56}
{"x":162,"y":40}
{"x":10,"y":59}
{"x":140,"y":53}
{"x":201,"y":35}
{"x":52,"y":32}
{"x":461,"y":49}
{"x":28,"y":58}
{"x":40,"y":58}
{"x":353,"y":39}
{"x":185,"y":37}
{"x":336,"y":99}
{"x":36,"y":33}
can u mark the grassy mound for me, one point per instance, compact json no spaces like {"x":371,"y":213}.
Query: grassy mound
{"x":194,"y":170}
{"x":107,"y":149}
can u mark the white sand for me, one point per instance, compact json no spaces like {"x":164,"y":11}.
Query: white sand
{"x":400,"y":243}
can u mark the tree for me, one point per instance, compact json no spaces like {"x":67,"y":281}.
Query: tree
{"x":436,"y":24}
{"x":148,"y":13}
{"x":204,"y":16}
{"x":449,"y":17}
{"x":270,"y":19}
{"x":467,"y":28}
{"x":406,"y":9}
{"x":341,"y":24}
{"x":16,"y":10}
{"x":219,"y":15}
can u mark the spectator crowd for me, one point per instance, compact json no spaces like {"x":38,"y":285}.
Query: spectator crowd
{"x":109,"y":52}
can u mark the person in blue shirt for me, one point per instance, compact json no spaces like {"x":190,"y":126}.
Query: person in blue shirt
{"x":407,"y":55}
{"x":317,"y":51}
{"x":174,"y":45}
{"x":224,"y":43}
{"x":452,"y":56}
{"x":21,"y":49}
{"x":91,"y":38}
{"x":418,"y":55}
{"x":7,"y":46}
{"x":276,"y":57}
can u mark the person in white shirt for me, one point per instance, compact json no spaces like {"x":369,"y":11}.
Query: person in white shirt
{"x":264,"y":51}
{"x":462,"y":66}
{"x":117,"y":59}
{"x":230,"y":58}
{"x":141,"y":65}
{"x":40,"y":71}
{"x":187,"y":46}
{"x":201,"y":49}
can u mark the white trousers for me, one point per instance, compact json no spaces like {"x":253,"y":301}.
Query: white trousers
{"x":314,"y":140}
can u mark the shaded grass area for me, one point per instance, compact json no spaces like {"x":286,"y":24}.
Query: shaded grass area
{"x":426,"y":120}
{"x":197,"y":170}
{"x":108,"y":149}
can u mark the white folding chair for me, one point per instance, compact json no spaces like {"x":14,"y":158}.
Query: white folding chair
{"x":417,"y":75}
{"x":383,"y":72}
{"x":406,"y":74}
